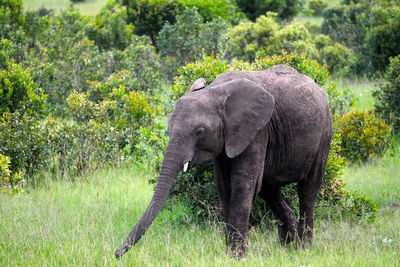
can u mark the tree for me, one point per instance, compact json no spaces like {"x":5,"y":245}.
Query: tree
{"x":149,"y":16}
{"x":286,"y":9}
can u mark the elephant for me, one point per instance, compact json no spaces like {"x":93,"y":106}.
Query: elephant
{"x":263,"y":130}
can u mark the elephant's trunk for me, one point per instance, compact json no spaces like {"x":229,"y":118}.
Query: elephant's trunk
{"x":171,"y":164}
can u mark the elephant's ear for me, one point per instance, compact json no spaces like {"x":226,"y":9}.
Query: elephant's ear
{"x":198,"y":84}
{"x":248,"y":108}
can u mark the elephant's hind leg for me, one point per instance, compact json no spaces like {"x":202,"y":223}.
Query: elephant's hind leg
{"x":287,"y":222}
{"x":308,"y":192}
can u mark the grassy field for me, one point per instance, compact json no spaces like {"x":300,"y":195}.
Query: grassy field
{"x":362,"y":90}
{"x":89,"y":7}
{"x":81,"y":222}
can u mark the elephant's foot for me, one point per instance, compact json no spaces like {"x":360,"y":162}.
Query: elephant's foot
{"x":237,"y":245}
{"x":304,"y":237}
{"x":287,"y":232}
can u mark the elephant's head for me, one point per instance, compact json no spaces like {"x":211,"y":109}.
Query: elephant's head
{"x":207,"y":121}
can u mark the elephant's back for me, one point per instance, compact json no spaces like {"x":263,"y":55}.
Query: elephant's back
{"x":294,"y":92}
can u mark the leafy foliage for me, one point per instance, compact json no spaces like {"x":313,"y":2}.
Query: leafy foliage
{"x":189,"y":38}
{"x":267,"y":37}
{"x":149,"y":16}
{"x":213,"y":9}
{"x":286,"y":9}
{"x":23,"y":139}
{"x":337,"y":57}
{"x":363,"y":135}
{"x":11,"y":16}
{"x":18,"y":92}
{"x":109,"y":28}
{"x":209,"y":68}
{"x":317,"y":6}
{"x":369,"y":28}
{"x":9,"y":182}
{"x":387,"y":98}
{"x":105,"y":127}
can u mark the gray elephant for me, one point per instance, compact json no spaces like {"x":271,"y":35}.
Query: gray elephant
{"x":263,"y":130}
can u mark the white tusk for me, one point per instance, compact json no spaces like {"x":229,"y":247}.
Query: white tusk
{"x":185,"y":166}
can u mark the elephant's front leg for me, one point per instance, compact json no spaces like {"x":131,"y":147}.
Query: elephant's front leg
{"x":245,"y":173}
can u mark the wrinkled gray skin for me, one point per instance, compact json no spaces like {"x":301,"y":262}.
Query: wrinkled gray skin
{"x":263,"y":130}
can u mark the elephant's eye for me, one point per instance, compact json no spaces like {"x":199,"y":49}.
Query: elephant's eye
{"x":200,"y":132}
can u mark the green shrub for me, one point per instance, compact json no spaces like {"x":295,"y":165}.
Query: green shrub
{"x":335,"y":56}
{"x":61,"y":73}
{"x":149,"y":16}
{"x":23,"y":138}
{"x":317,"y":7}
{"x":11,"y":17}
{"x":107,"y":129}
{"x":22,"y":104}
{"x":286,"y":9}
{"x":363,"y":135}
{"x":369,"y":28}
{"x":267,"y":37}
{"x":246,"y":39}
{"x":208,"y":69}
{"x":18,"y":92}
{"x":387,"y":98}
{"x":109,"y":28}
{"x":9,"y":182}
{"x":383,"y":37}
{"x":189,"y":38}
{"x":213,"y":9}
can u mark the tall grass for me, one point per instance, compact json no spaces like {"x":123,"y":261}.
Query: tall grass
{"x":81,"y":223}
{"x":362,"y":89}
{"x":379,"y":179}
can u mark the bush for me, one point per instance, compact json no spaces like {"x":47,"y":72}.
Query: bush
{"x":23,"y":139}
{"x":149,"y":16}
{"x":61,"y":73}
{"x":286,"y":9}
{"x":369,"y":28}
{"x":196,"y":188}
{"x":9,"y":182}
{"x":387,"y":98}
{"x":213,"y":9}
{"x":363,"y":135}
{"x":18,"y":92}
{"x":109,"y":28}
{"x":383,"y":37}
{"x":208,"y":69}
{"x":107,"y":129}
{"x":189,"y":38}
{"x":335,"y":56}
{"x":11,"y":17}
{"x":317,"y":7}
{"x":267,"y":37}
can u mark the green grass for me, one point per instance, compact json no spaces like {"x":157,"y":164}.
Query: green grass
{"x":89,"y":7}
{"x":312,"y":20}
{"x":81,"y":223}
{"x":362,"y":90}
{"x":379,"y":179}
